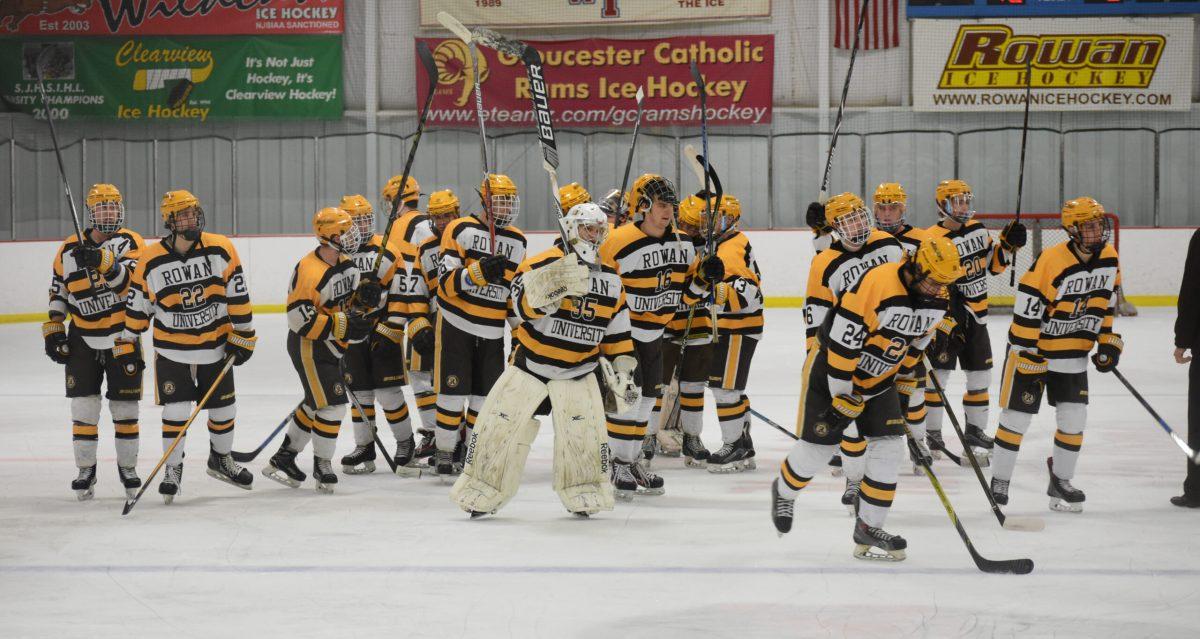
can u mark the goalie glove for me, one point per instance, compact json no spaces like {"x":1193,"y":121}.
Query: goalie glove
{"x":547,"y":285}
{"x":621,"y":387}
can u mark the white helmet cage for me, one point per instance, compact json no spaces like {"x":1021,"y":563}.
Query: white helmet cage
{"x":586,"y":226}
{"x":505,"y":208}
{"x":962,"y":200}
{"x":854,"y":227}
{"x":107,"y":217}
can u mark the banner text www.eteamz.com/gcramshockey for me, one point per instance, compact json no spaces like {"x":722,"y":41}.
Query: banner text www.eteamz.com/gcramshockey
{"x":612,"y":116}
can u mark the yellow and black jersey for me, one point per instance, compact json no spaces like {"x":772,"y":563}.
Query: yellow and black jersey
{"x":877,"y":329}
{"x":364,"y":258}
{"x":910,"y":237}
{"x":566,"y":343}
{"x":429,"y":263}
{"x":694,"y":301}
{"x":408,"y":295}
{"x":835,"y":270}
{"x":194,"y":300}
{"x":317,"y":291}
{"x":739,"y":297}
{"x":98,"y":315}
{"x":1063,"y":305}
{"x":469,"y":304}
{"x":653,"y":270}
{"x":980,"y":256}
{"x":412,"y":227}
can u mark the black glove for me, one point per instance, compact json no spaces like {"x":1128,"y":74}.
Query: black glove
{"x":240,"y":344}
{"x":949,"y":338}
{"x":1013,"y":236}
{"x":492,"y":268}
{"x":55,"y":334}
{"x":423,"y":342}
{"x":1108,"y":352}
{"x":370,"y":292}
{"x":842,"y":410}
{"x":89,"y":255}
{"x":815,"y":217}
{"x":713,"y":269}
{"x":357,"y":327}
{"x":128,"y":355}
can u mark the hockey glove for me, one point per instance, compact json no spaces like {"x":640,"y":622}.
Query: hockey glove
{"x":906,"y":385}
{"x":492,"y":268}
{"x":89,"y":255}
{"x":919,"y":451}
{"x":843,"y":410}
{"x":358,"y":327}
{"x":1108,"y":351}
{"x":420,"y":335}
{"x":128,"y":355}
{"x":240,"y":344}
{"x":622,"y":388}
{"x":55,"y":334}
{"x":713,"y":269}
{"x":948,"y":340}
{"x":387,"y":336}
{"x":815,"y":217}
{"x":370,"y":292}
{"x":1013,"y":236}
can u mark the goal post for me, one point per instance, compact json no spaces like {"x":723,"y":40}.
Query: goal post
{"x":1045,"y":230}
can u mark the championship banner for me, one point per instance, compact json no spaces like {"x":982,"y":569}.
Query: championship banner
{"x":592,"y":82}
{"x":176,"y":79}
{"x":171,"y":17}
{"x":1078,"y":64}
{"x":516,"y":14}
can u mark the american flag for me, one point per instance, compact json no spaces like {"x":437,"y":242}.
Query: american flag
{"x":881,"y":28}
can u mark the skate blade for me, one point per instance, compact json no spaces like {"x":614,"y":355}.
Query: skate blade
{"x":86,"y":494}
{"x":325,"y":489}
{"x":220,"y":477}
{"x":983,"y":457}
{"x":360,"y":469}
{"x":168,"y":499}
{"x":692,"y":462}
{"x":582,"y":515}
{"x":1061,"y":506}
{"x":850,"y":508}
{"x":475,"y":514}
{"x":651,"y":492}
{"x":871,"y":553}
{"x":408,"y":472}
{"x":624,"y":495}
{"x":130,"y":493}
{"x":735,"y":467}
{"x":276,"y":475}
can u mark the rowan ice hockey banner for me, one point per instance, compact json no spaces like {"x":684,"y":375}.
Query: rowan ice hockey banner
{"x":592,"y":82}
{"x":548,"y":13}
{"x":1079,"y":64}
{"x":171,"y":17}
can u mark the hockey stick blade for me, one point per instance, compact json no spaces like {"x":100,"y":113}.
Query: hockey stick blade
{"x":1002,"y":566}
{"x":690,"y":155}
{"x":454,"y":26}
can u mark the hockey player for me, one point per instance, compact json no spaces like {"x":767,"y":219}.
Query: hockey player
{"x":967,"y":344}
{"x":858,"y":247}
{"x":191,"y":285}
{"x":1064,"y":306}
{"x":862,"y":362}
{"x":375,"y":366}
{"x":321,"y":325}
{"x":614,"y":207}
{"x":652,"y":261}
{"x":570,"y":317}
{"x":412,"y":226}
{"x":108,"y":253}
{"x":735,"y":284}
{"x":472,"y":294}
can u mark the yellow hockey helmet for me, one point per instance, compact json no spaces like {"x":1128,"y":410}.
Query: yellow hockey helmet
{"x":692,"y":214}
{"x":106,"y":211}
{"x":1077,"y":217}
{"x":937,"y":259}
{"x":498,"y":184}
{"x":572,"y":194}
{"x":730,"y":211}
{"x":505,"y":203}
{"x":848,"y":215}
{"x":890,"y":193}
{"x":890,"y":206}
{"x":954,"y":198}
{"x":1080,"y":211}
{"x":649,"y":188}
{"x":182,"y":204}
{"x":443,"y":202}
{"x":356,"y":205}
{"x":411,"y":191}
{"x":334,"y":227}
{"x":176,"y":201}
{"x":100,"y":193}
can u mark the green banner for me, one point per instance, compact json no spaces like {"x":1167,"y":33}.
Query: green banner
{"x":175,"y":79}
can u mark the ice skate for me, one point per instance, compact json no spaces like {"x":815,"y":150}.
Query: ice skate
{"x":129,"y":480}
{"x":979,"y":445}
{"x":282,"y":467}
{"x":624,"y":485}
{"x":918,"y":451}
{"x":782,"y":510}
{"x":850,"y":495}
{"x":360,"y":461}
{"x":835,"y":465}
{"x":648,"y":484}
{"x":935,"y":443}
{"x":444,"y":466}
{"x":875,"y":544}
{"x":85,"y":484}
{"x":223,"y":467}
{"x":649,"y":448}
{"x":695,"y":455}
{"x":406,"y":458}
{"x":426,"y":447}
{"x":1064,"y":497}
{"x":1000,"y":491}
{"x":323,"y":475}
{"x":169,"y":487}
{"x":734,"y":457}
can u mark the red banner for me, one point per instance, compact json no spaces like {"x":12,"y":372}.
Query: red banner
{"x":592,"y":82}
{"x":171,"y":17}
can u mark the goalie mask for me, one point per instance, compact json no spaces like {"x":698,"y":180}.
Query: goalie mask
{"x":848,"y":216}
{"x":106,"y":210}
{"x":410,"y":194}
{"x":361,"y":213}
{"x":891,"y":205}
{"x":586,"y":227}
{"x":443,"y":209}
{"x":182,"y":215}
{"x":651,"y":188}
{"x":335,"y":228}
{"x":955,"y":200}
{"x":1085,"y":221}
{"x":502,"y":194}
{"x":934,"y":266}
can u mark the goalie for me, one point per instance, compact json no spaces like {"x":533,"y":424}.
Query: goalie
{"x":571,"y":319}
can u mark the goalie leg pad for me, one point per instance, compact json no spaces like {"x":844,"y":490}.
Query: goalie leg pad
{"x":581,"y":455}
{"x":499,"y":443}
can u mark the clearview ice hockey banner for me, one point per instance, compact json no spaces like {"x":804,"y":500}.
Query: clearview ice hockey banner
{"x":1078,"y":64}
{"x":547,"y":13}
{"x":592,"y":82}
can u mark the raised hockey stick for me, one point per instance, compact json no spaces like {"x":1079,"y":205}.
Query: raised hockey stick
{"x":1012,"y":269}
{"x":62,"y":171}
{"x":399,"y":471}
{"x":243,"y":457}
{"x":1028,"y":524}
{"x":706,"y":173}
{"x":698,"y":79}
{"x":637,"y":126}
{"x":1183,"y":445}
{"x":130,"y":503}
{"x":837,"y":127}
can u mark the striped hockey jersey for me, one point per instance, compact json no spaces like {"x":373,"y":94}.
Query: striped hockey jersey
{"x":980,"y":256}
{"x":739,"y":296}
{"x":98,"y":315}
{"x":653,"y":271}
{"x":474,"y":307}
{"x":835,"y":270}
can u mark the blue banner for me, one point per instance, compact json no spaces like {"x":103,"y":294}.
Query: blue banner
{"x":1040,"y":8}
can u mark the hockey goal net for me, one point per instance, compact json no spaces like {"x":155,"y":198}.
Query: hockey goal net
{"x":1045,"y":230}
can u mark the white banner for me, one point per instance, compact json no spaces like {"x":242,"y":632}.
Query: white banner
{"x":1079,"y":64}
{"x":513,"y":14}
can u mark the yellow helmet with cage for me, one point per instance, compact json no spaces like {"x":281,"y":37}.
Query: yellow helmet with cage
{"x":335,"y":227}
{"x":505,"y":203}
{"x":849,"y":217}
{"x":954,"y":199}
{"x":937,"y":258}
{"x":105,"y":207}
{"x":411,"y":191}
{"x":1078,"y":216}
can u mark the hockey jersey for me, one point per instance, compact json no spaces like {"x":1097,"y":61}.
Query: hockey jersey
{"x":910,"y":238}
{"x":317,"y":291}
{"x":470,"y":306}
{"x":980,"y":256}
{"x":739,"y":296}
{"x":835,"y":270}
{"x":653,"y":270}
{"x":412,"y":227}
{"x":98,"y":315}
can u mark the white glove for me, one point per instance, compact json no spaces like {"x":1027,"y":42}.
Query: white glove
{"x":547,"y":285}
{"x":618,"y":376}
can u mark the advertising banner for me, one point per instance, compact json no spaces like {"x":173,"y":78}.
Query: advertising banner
{"x":549,"y":13}
{"x":171,"y":17}
{"x":1032,"y":8}
{"x":592,"y":82}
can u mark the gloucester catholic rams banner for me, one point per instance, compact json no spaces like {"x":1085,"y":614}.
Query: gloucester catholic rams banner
{"x":171,"y":17}
{"x":549,"y":13}
{"x":1082,"y":64}
{"x":592,"y":82}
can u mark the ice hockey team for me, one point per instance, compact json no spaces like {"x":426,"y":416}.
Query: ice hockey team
{"x":645,"y":300}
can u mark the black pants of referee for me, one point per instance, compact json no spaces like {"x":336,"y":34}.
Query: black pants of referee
{"x":1191,"y":485}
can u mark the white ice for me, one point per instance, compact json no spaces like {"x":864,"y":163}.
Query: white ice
{"x":387,"y":555}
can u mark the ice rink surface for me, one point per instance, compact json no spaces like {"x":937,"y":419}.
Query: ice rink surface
{"x":386,"y":556}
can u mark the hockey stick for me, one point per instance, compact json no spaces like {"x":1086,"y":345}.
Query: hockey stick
{"x":1029,"y":524}
{"x":1012,"y":272}
{"x":1014,"y":566}
{"x":706,"y":173}
{"x":706,"y":177}
{"x":243,"y":457}
{"x":399,"y":471}
{"x":1194,"y":456}
{"x":130,"y":503}
{"x":62,"y":171}
{"x":837,"y":127}
{"x":637,"y":126}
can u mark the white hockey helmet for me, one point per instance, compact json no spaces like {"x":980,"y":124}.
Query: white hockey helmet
{"x":586,"y":226}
